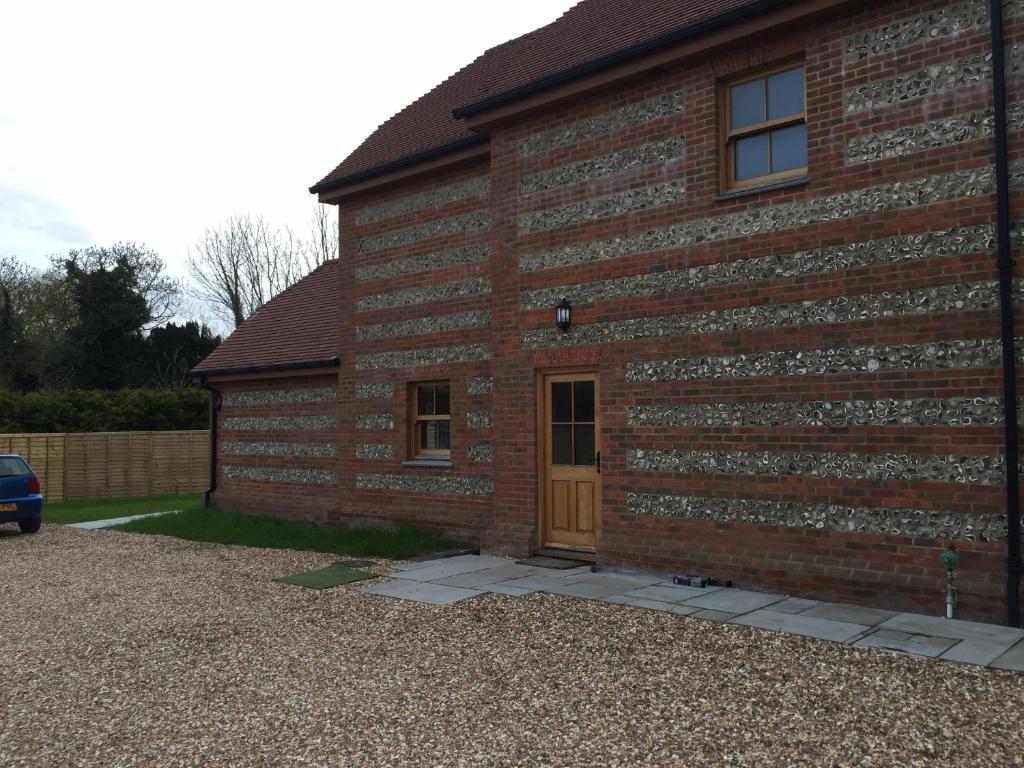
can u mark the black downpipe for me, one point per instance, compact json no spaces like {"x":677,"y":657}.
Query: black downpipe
{"x":214,"y":409}
{"x":1005,"y":265}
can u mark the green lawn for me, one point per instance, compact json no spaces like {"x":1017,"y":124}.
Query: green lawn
{"x":64,"y":512}
{"x":196,"y":523}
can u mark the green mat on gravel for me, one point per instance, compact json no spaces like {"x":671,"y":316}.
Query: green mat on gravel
{"x":324,"y":578}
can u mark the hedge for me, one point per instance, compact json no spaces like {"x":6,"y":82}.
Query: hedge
{"x":119,"y":410}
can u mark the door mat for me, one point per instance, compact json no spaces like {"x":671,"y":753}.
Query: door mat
{"x":325,"y":578}
{"x":543,"y":561}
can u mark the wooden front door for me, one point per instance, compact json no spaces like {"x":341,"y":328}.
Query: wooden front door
{"x":570,"y":452}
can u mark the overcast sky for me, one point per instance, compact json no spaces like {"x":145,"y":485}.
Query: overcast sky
{"x":150,"y":121}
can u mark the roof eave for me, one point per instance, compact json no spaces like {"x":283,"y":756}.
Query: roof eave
{"x":400,"y":164}
{"x":681,"y":35}
{"x":329,"y":362}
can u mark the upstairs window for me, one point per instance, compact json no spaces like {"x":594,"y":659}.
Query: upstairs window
{"x":765,"y":128}
{"x":431,"y":420}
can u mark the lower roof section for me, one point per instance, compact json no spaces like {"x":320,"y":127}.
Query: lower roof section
{"x":297,"y":329}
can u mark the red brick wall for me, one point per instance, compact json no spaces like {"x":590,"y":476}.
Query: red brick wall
{"x":278,"y":424}
{"x":916,"y":477}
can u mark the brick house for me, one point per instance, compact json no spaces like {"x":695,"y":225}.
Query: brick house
{"x":775,"y":227}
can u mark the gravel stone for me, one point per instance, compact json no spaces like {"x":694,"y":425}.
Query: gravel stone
{"x":129,"y":650}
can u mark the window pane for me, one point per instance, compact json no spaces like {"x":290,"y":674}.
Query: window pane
{"x":425,"y":400}
{"x":583,"y":401}
{"x":442,"y":400}
{"x":561,"y":401}
{"x":752,"y":157}
{"x":434,"y":435}
{"x":428,"y":434}
{"x":786,"y":93}
{"x":584,"y":444}
{"x":561,"y":444}
{"x":789,"y":147}
{"x":746,"y":104}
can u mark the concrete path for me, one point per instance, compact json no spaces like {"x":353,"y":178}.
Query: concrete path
{"x":113,"y":521}
{"x":440,"y":582}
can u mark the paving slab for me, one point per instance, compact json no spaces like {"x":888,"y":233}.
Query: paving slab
{"x":673,"y":594}
{"x":917,"y":624}
{"x":91,"y":525}
{"x":801,"y":624}
{"x":441,"y":569}
{"x":420,"y":592}
{"x":711,"y":615}
{"x":980,"y":652}
{"x":475,"y":579}
{"x":1012,"y":659}
{"x":591,"y":586}
{"x":735,"y":601}
{"x":795,"y":605}
{"x":414,"y":564}
{"x":703,"y":590}
{"x":636,"y":579}
{"x":539,"y":582}
{"x":918,"y":645}
{"x":684,"y":610}
{"x":638,"y":602}
{"x":501,"y":589}
{"x":852,"y":614}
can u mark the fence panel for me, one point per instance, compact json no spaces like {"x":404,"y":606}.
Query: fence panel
{"x":115,"y":464}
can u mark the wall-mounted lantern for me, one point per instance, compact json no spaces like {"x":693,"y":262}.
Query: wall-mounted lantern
{"x":563,"y":315}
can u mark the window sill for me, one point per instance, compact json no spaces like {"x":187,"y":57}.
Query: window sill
{"x":429,"y":463}
{"x":796,"y":181}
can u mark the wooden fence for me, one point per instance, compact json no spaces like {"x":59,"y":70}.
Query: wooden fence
{"x":97,"y":465}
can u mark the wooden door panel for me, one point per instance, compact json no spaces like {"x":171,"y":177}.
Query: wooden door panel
{"x":560,"y":505}
{"x":584,"y":507}
{"x":569,"y":411}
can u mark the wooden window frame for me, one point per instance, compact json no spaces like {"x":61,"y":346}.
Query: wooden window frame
{"x":729,"y":137}
{"x":415,"y":418}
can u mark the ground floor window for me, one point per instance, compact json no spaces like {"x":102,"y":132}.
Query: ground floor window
{"x":431,"y":420}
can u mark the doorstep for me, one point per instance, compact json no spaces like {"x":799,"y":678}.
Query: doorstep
{"x":450,"y":580}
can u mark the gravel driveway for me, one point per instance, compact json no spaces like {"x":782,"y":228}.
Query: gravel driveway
{"x":122,"y":649}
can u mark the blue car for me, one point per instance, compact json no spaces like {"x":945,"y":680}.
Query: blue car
{"x":20,"y":499}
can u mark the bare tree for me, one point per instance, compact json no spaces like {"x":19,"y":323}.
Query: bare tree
{"x":323,"y":241}
{"x":243,"y":263}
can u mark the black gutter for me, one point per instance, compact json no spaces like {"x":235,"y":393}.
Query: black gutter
{"x":650,"y":46}
{"x":268,"y":368}
{"x":1005,"y":265}
{"x":403,"y":162}
{"x":215,"y":401}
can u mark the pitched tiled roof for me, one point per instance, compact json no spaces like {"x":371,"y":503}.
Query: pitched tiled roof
{"x":299,"y":327}
{"x":588,"y":34}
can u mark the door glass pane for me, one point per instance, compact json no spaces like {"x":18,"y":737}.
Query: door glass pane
{"x":584,"y":444}
{"x":425,"y":400}
{"x":789,"y":147}
{"x":561,"y":401}
{"x":561,"y":444}
{"x":786,"y":93}
{"x":752,"y":157}
{"x":442,"y":404}
{"x":583,"y":401}
{"x":746,"y":104}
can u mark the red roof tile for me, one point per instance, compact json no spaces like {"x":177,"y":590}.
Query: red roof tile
{"x":299,"y":326}
{"x":587,"y":33}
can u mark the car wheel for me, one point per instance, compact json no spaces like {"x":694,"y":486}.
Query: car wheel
{"x":30,"y":526}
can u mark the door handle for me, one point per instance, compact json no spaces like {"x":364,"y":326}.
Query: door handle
{"x":598,"y":462}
